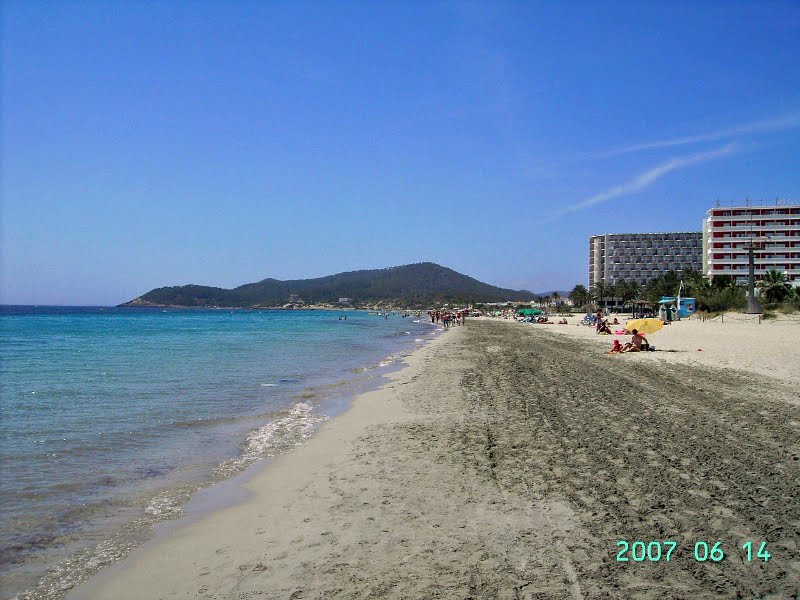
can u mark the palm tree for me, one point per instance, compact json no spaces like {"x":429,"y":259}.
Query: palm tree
{"x":580,"y":295}
{"x":626,"y":291}
{"x":722,"y":282}
{"x":555,"y":298}
{"x":691,"y":275}
{"x":775,"y":286}
{"x":600,"y":292}
{"x":695,"y":282}
{"x":700,"y":288}
{"x":611,"y":292}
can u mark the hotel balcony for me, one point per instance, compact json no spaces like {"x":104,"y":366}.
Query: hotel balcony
{"x":754,"y":228}
{"x":772,"y":238}
{"x":791,"y":273}
{"x":759,"y":261}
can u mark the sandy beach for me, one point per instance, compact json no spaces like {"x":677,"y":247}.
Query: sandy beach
{"x":733,"y":341}
{"x":508,"y":461}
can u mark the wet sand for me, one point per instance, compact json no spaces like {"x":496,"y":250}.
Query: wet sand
{"x":507,"y":462}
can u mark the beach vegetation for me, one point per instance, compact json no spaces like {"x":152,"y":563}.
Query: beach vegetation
{"x":774,"y":286}
{"x":785,"y":308}
{"x":663,"y":285}
{"x":721,"y":282}
{"x":580,"y":296}
{"x":721,"y":300}
{"x":600,"y":293}
{"x":627,"y":291}
{"x":719,"y":295}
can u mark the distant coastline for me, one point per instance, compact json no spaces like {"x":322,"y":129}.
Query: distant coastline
{"x":145,"y":304}
{"x":415,"y":286}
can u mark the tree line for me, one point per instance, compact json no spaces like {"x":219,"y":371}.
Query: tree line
{"x":718,"y":294}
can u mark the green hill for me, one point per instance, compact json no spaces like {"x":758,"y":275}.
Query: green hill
{"x":418,"y":285}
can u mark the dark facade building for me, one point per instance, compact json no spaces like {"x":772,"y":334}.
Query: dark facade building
{"x":642,"y":256}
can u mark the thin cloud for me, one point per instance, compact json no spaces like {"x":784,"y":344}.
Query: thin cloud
{"x":646,"y":179}
{"x":551,"y":168}
{"x":789,"y":121}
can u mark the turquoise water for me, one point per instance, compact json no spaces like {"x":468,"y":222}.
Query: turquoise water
{"x":112,"y":417}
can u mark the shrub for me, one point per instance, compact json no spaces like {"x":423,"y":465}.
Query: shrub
{"x":718,"y":300}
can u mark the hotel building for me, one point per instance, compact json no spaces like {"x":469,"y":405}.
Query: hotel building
{"x":774,"y":229}
{"x":641,"y":257}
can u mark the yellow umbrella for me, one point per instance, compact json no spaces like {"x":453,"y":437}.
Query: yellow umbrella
{"x":644,"y":326}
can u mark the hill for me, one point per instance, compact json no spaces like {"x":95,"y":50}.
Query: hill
{"x":418,"y":285}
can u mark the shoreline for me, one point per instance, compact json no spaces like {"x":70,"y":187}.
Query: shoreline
{"x":174,"y":500}
{"x":331,"y":307}
{"x":247,"y":487}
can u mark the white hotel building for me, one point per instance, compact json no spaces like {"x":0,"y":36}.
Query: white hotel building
{"x":775,"y":229}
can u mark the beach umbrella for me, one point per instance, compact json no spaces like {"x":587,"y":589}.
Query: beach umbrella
{"x":530,"y":311}
{"x":644,"y":326}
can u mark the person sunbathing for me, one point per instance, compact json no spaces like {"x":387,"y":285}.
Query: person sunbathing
{"x":637,"y":344}
{"x":563,"y":322}
{"x":604,"y":328}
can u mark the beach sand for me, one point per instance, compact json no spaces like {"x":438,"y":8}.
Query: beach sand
{"x":770,"y":348}
{"x":506,"y":461}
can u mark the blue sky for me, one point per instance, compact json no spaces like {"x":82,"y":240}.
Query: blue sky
{"x":159,"y":143}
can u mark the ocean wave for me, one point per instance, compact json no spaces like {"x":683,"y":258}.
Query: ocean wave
{"x":397,"y":334}
{"x":283,"y":433}
{"x":166,"y":506}
{"x":276,"y":437}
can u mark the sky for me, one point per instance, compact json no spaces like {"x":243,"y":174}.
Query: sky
{"x":152,"y":143}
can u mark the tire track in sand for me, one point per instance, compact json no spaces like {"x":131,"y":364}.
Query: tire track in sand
{"x":640,"y":453}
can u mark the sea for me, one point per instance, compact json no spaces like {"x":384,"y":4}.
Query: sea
{"x":111,"y":419}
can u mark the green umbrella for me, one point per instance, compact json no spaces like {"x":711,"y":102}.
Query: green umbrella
{"x":530,"y":311}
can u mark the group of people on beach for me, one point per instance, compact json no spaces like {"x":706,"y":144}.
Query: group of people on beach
{"x":638,"y":341}
{"x":637,"y":344}
{"x":601,"y":325}
{"x":448,"y":318}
